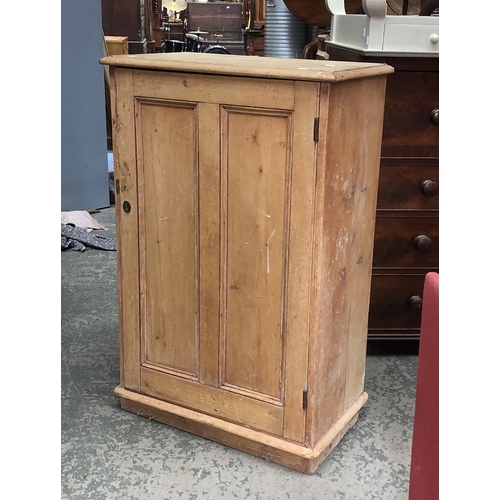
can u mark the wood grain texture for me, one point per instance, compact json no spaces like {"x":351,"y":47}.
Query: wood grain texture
{"x":209,"y":213}
{"x":127,"y":228}
{"x":299,"y":255}
{"x":256,"y":160}
{"x":237,"y":408}
{"x":169,"y":237}
{"x":346,"y":191}
{"x":268,"y":447}
{"x":395,"y":241}
{"x":408,"y":129}
{"x":371,"y":110}
{"x":401,"y":184}
{"x":197,"y":88}
{"x":257,"y":67}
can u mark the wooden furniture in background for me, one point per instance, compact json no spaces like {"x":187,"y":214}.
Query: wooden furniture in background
{"x":218,"y":18}
{"x":157,"y":25}
{"x":254,"y":42}
{"x":116,"y":45}
{"x":246,"y":196}
{"x":253,"y":34}
{"x":255,"y":13}
{"x":316,"y":13}
{"x":130,"y":18}
{"x":174,"y":31}
{"x":172,"y":24}
{"x":407,"y":227}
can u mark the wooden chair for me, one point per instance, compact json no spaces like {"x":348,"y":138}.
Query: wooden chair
{"x":317,"y":48}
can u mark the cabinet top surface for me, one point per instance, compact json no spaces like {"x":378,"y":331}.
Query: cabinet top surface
{"x":252,"y":66}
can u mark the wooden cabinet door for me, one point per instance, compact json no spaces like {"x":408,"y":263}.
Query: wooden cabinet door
{"x":225,"y":173}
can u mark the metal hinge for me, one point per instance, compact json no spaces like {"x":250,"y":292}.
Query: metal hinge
{"x":304,"y":400}
{"x":316,"y":129}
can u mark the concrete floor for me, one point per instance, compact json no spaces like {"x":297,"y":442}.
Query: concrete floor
{"x":108,"y":453}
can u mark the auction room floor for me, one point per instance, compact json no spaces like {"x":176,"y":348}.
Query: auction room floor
{"x":108,"y":453}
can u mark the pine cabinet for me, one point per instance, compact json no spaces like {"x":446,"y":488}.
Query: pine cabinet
{"x":246,"y":192}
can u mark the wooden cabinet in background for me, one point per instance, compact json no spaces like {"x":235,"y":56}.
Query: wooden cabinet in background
{"x":407,"y":227}
{"x":116,"y":45}
{"x":130,"y":18}
{"x":253,"y":34}
{"x":254,"y":42}
{"x":224,"y":18}
{"x":246,"y":196}
{"x":254,"y":13}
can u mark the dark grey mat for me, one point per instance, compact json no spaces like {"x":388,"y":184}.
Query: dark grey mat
{"x":77,"y":239}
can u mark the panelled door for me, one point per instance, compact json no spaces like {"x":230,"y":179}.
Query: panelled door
{"x":225,"y":175}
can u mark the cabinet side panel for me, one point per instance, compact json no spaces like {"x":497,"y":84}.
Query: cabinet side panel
{"x":347,"y":182}
{"x":371,"y":112}
{"x":257,"y":164}
{"x":127,"y":230}
{"x":169,"y":243}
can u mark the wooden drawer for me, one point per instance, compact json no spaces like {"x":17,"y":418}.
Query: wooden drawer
{"x":411,"y":125}
{"x":410,"y":241}
{"x":408,"y":185}
{"x":395,"y":301}
{"x":412,"y":97}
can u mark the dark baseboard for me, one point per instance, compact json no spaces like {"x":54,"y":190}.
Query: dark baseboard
{"x":392,"y":347}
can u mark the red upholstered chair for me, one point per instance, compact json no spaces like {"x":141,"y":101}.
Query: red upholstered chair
{"x":424,"y":471}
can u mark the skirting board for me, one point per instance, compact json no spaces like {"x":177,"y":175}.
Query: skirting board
{"x":260,"y":444}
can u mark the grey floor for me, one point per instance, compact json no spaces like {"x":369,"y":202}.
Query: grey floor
{"x":109,"y":453}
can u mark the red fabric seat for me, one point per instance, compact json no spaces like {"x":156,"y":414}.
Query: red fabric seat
{"x":424,"y":471}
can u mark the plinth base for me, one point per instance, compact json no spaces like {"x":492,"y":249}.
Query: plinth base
{"x":260,"y":444}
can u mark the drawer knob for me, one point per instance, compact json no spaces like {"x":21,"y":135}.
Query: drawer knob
{"x":429,"y":188}
{"x":435,"y":117}
{"x":422,"y":243}
{"x":415,"y":303}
